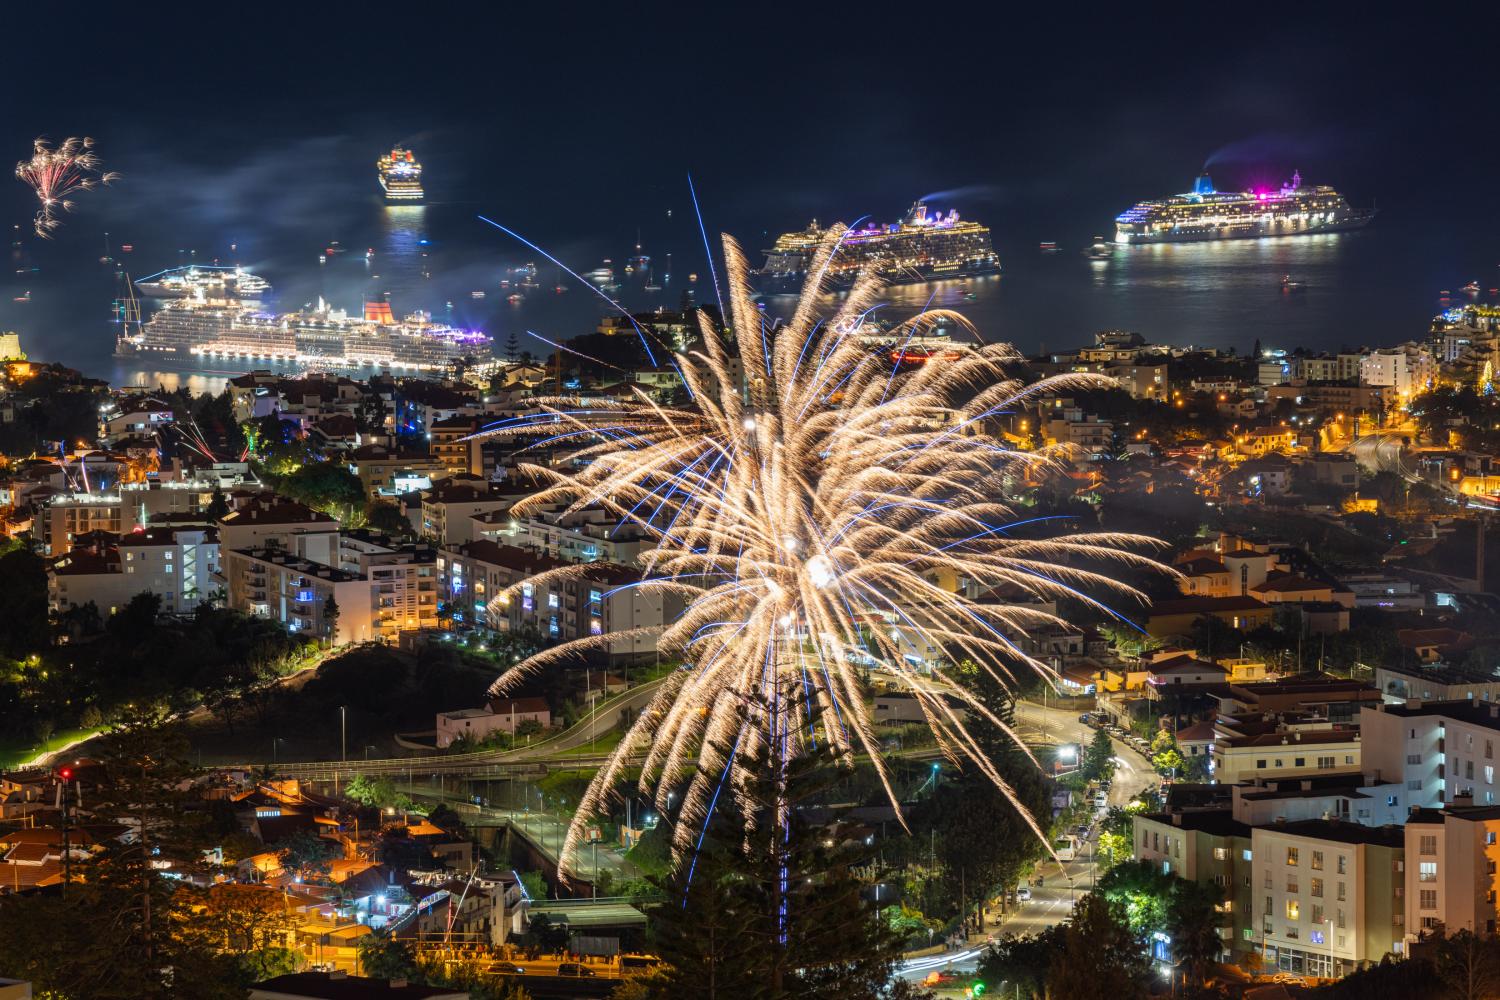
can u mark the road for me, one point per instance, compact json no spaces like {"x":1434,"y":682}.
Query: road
{"x":1052,"y":901}
{"x":494,"y":763}
{"x":1383,"y":452}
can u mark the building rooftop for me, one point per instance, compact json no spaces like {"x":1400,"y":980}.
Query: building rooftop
{"x":274,"y":510}
{"x":1214,"y":822}
{"x":1481,"y":713}
{"x":1341,"y":832}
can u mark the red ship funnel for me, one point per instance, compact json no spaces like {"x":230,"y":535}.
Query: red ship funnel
{"x":379,"y":312}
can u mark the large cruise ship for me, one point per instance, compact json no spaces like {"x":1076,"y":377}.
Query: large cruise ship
{"x":203,"y":330}
{"x":204,"y":281}
{"x":400,"y":175}
{"x":921,"y":247}
{"x":1295,"y":209}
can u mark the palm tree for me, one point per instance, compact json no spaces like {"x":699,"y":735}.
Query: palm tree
{"x":1194,"y":921}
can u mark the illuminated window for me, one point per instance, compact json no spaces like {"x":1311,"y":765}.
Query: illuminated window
{"x":1293,"y":910}
{"x":1291,"y":855}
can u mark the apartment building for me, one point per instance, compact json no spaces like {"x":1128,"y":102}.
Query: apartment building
{"x":75,"y":515}
{"x":179,"y":565}
{"x":1451,"y":877}
{"x":380,"y":590}
{"x":1442,"y":751}
{"x":1328,"y":897}
{"x":488,"y":584}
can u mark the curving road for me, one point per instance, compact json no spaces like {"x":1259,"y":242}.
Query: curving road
{"x":1384,"y":451}
{"x":605,"y":718}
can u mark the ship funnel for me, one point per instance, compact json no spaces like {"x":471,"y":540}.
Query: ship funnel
{"x":1203,"y":185}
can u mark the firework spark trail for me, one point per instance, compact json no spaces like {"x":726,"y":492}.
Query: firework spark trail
{"x":825,"y":510}
{"x":57,"y":173}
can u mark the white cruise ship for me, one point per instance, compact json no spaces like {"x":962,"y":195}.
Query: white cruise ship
{"x":197,"y":330}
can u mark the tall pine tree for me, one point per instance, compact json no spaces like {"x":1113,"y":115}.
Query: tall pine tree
{"x":770,"y":906}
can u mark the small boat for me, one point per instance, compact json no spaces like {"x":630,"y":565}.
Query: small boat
{"x":1445,"y":294}
{"x":693,"y":276}
{"x":560,"y":289}
{"x":515,"y":298}
{"x":1101,"y":250}
{"x":1289,"y":285}
{"x":476,"y":294}
{"x":971,"y":296}
{"x":322,"y":258}
{"x":1048,"y":246}
{"x":126,"y":247}
{"x":26,"y":297}
{"x":1472,"y":288}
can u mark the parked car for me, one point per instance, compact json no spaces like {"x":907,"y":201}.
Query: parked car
{"x":572,"y":970}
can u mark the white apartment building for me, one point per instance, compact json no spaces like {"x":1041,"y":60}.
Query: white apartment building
{"x":1439,"y":750}
{"x":476,"y":581}
{"x":1451,"y":876}
{"x":179,"y":565}
{"x":1386,"y":368}
{"x":1328,"y":897}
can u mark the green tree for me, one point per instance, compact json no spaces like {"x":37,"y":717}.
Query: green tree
{"x":1021,"y":961}
{"x":1193,"y":924}
{"x":1098,"y":758}
{"x":218,"y":506}
{"x":330,"y":618}
{"x":766,"y":910}
{"x":382,"y":956}
{"x":128,"y":924}
{"x":1468,"y":965}
{"x":1100,"y":955}
{"x":325,"y":486}
{"x":387,"y":519}
{"x":23,"y":595}
{"x":306,"y":854}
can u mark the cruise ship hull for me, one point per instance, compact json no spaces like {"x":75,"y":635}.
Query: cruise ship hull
{"x":1249,"y":231}
{"x":400,"y":194}
{"x":187,"y":334}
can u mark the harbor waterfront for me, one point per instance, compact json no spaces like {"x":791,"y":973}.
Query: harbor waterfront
{"x":1386,"y":277}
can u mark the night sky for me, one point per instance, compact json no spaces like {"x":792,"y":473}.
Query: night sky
{"x":234,"y":111}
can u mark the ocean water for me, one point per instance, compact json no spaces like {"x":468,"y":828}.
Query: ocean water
{"x":1377,"y":286}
